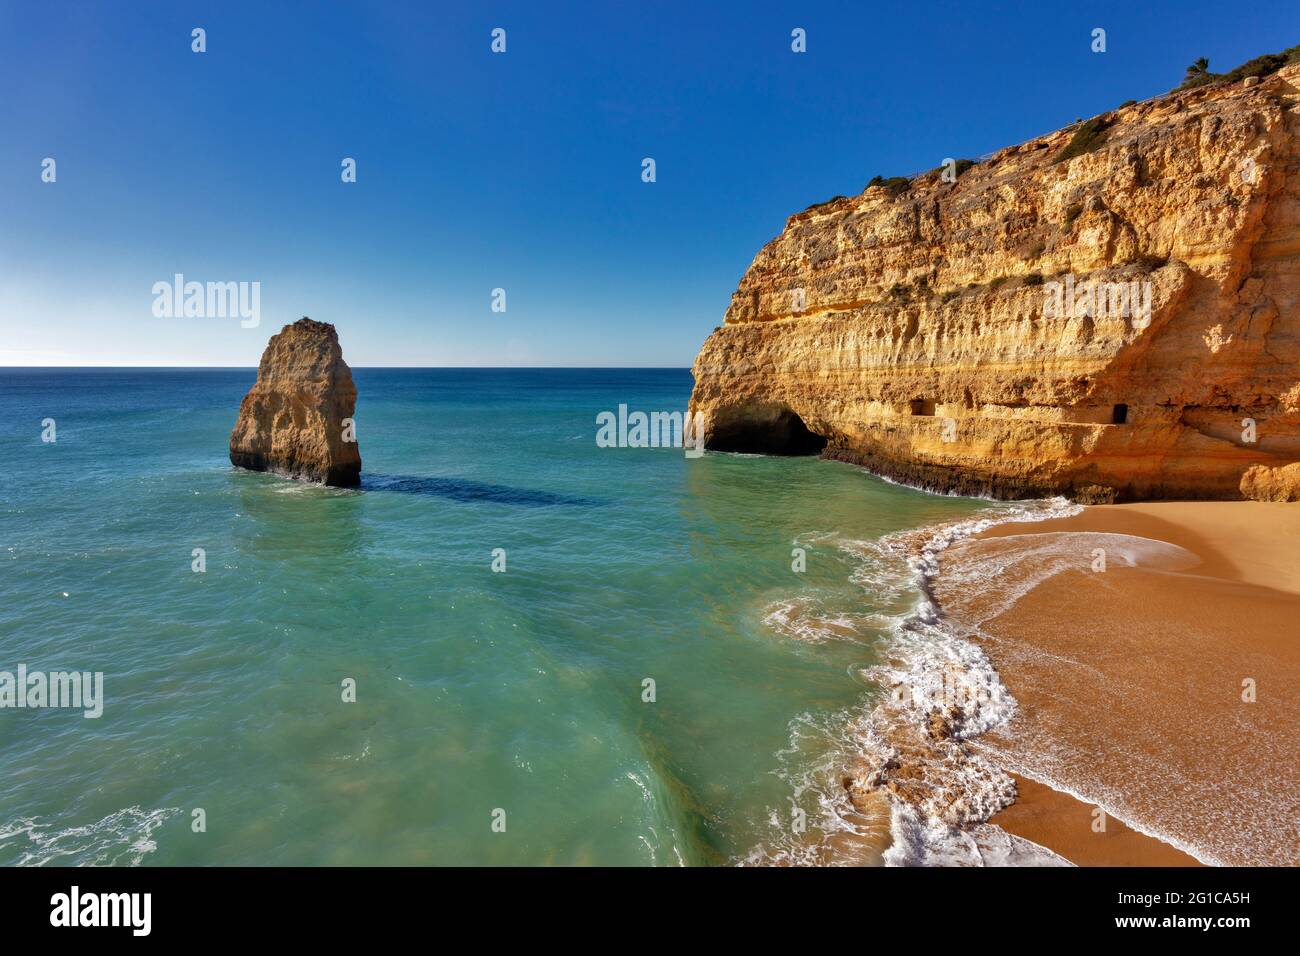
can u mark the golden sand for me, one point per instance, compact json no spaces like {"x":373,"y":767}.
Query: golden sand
{"x":1165,"y":692}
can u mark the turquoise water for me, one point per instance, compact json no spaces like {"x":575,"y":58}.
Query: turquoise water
{"x":475,"y":691}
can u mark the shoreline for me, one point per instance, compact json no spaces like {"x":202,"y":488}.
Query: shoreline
{"x":1127,"y":682}
{"x":1065,"y":824}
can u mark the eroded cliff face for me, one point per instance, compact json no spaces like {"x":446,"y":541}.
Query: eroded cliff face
{"x":929,"y":334}
{"x":291,"y":422}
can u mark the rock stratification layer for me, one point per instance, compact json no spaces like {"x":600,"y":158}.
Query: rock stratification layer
{"x":1115,"y":325}
{"x":291,"y":422}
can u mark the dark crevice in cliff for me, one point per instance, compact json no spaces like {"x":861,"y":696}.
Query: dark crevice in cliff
{"x":763,"y":430}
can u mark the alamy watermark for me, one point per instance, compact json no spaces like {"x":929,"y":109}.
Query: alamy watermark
{"x":951,"y":693}
{"x":75,"y":908}
{"x":1098,"y":300}
{"x":78,"y":690}
{"x":211,"y":300}
{"x":651,"y":430}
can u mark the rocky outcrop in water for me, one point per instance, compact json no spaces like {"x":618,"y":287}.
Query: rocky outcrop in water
{"x":296,"y":419}
{"x":1111,"y":311}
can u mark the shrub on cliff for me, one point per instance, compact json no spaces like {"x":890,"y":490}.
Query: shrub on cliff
{"x":1263,"y":65}
{"x":1198,"y":73}
{"x":894,"y":185}
{"x":959,"y":166}
{"x":1090,"y":135}
{"x":819,"y":205}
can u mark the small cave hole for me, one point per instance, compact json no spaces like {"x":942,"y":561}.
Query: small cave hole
{"x":921,"y":406}
{"x":1120,"y":415}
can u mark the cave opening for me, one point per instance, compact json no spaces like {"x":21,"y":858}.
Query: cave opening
{"x":763,"y":430}
{"x":1120,"y":415}
{"x":921,"y":406}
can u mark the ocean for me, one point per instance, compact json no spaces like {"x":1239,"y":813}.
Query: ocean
{"x":648,"y":682}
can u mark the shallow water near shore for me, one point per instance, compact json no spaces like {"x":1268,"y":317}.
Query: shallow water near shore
{"x":475,"y":691}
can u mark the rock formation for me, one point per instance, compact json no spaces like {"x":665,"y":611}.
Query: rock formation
{"x":291,"y":422}
{"x":1108,"y":312}
{"x":1272,"y":484}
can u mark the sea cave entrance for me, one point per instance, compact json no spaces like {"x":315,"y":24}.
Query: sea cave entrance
{"x":763,"y":430}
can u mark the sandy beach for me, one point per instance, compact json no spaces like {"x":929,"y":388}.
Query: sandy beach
{"x":1154,"y":652}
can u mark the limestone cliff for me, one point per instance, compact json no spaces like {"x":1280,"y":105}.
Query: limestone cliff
{"x":292,"y":420}
{"x":937,"y":331}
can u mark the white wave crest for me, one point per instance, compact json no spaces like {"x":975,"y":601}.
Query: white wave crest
{"x":124,"y":837}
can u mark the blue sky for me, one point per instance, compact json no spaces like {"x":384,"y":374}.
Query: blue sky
{"x":519,"y":170}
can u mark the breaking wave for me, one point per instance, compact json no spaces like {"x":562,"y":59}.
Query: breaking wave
{"x":123,"y":838}
{"x":895,"y":780}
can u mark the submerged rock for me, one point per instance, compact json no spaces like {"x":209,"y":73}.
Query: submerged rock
{"x":296,"y":420}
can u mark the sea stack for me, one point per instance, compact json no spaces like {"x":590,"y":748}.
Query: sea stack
{"x":296,"y":420}
{"x":1109,"y":312}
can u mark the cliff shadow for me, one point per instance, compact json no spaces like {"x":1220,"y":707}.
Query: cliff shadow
{"x":467,"y":490}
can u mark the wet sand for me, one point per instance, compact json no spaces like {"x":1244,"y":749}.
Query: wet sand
{"x":1076,"y":831}
{"x":1163,"y":688}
